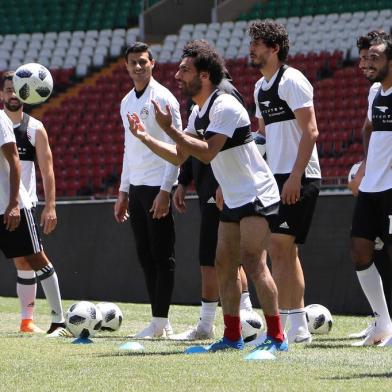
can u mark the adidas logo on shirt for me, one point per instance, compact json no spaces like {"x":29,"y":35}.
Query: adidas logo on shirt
{"x":284,"y":225}
{"x":211,"y":200}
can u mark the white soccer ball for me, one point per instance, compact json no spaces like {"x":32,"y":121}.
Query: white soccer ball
{"x":251,"y":324}
{"x":353,"y":171}
{"x":33,"y":83}
{"x":112,"y":316}
{"x":83,"y":319}
{"x":319,"y":319}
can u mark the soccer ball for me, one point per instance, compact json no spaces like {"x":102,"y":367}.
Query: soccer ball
{"x":111,"y":316}
{"x":33,"y":83}
{"x":83,"y":319}
{"x":319,"y":319}
{"x":353,"y":171}
{"x":251,"y":324}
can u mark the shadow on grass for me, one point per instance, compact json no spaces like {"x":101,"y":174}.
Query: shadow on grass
{"x":329,"y":339}
{"x":126,"y":353}
{"x":359,"y":376}
{"x":326,"y":346}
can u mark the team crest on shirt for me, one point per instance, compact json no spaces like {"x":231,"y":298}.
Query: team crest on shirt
{"x":144,"y":113}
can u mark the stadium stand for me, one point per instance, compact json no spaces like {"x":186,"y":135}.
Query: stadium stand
{"x":83,"y":45}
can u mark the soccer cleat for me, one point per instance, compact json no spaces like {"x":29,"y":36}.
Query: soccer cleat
{"x":375,"y":337}
{"x":194,"y":333}
{"x":28,"y":326}
{"x":299,"y":336}
{"x":267,"y":349}
{"x":386,"y":342}
{"x":60,"y":332}
{"x":221,"y":345}
{"x":365,"y":332}
{"x":152,"y":332}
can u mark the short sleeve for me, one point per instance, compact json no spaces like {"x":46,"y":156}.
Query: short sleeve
{"x":191,"y":121}
{"x":255,"y":96}
{"x":372,"y":94}
{"x":225,"y":116}
{"x":6,"y":131}
{"x":296,"y":90}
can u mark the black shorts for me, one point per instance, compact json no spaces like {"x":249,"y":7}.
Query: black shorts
{"x":25,"y":240}
{"x":255,"y":208}
{"x":208,"y":237}
{"x":373,"y":216}
{"x":295,"y":219}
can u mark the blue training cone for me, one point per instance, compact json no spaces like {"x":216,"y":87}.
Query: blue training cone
{"x":260,"y":355}
{"x":133,"y":346}
{"x":82,"y":341}
{"x":197,"y":350}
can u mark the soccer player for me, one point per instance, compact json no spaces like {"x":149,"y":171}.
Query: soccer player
{"x":381,"y":259}
{"x":284,"y":107}
{"x":218,"y":131}
{"x":210,"y":203}
{"x":146,"y":183}
{"x":32,"y":142}
{"x":373,"y":208}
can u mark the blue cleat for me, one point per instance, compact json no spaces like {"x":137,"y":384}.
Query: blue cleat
{"x":267,"y":349}
{"x":223,"y":344}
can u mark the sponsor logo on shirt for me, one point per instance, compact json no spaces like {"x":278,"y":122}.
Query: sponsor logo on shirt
{"x":200,"y":132}
{"x":266,"y":103}
{"x":382,"y":108}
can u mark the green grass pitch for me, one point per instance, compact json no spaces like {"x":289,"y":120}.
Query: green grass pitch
{"x":35,"y":363}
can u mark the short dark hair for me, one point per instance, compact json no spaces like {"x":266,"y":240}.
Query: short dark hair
{"x":205,"y":58}
{"x":138,"y":47}
{"x":363,"y":42}
{"x":386,"y":40}
{"x":272,"y":34}
{"x":7,"y":75}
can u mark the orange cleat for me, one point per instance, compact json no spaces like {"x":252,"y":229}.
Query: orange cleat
{"x":28,"y":326}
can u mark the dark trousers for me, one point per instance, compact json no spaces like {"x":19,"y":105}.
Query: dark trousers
{"x":155,"y":247}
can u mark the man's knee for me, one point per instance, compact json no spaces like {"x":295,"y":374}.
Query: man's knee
{"x":361,"y":253}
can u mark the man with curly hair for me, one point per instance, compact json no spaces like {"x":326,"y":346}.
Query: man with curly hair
{"x":218,"y":131}
{"x":284,"y":107}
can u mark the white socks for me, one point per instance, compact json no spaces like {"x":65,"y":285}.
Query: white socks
{"x":371,"y":284}
{"x":26,"y":288}
{"x":160,"y":322}
{"x":245,"y":302}
{"x":298,"y":320}
{"x":50,"y":284}
{"x":284,"y":313}
{"x":207,"y":316}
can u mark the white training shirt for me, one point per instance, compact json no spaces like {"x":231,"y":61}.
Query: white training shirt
{"x":241,"y":171}
{"x":283,"y":138}
{"x":140,"y":165}
{"x":28,"y":167}
{"x":378,"y":172}
{"x":7,"y":136}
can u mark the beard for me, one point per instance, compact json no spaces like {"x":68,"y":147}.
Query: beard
{"x":380,"y":75}
{"x":258,"y":63}
{"x":192,"y":88}
{"x":14,"y":106}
